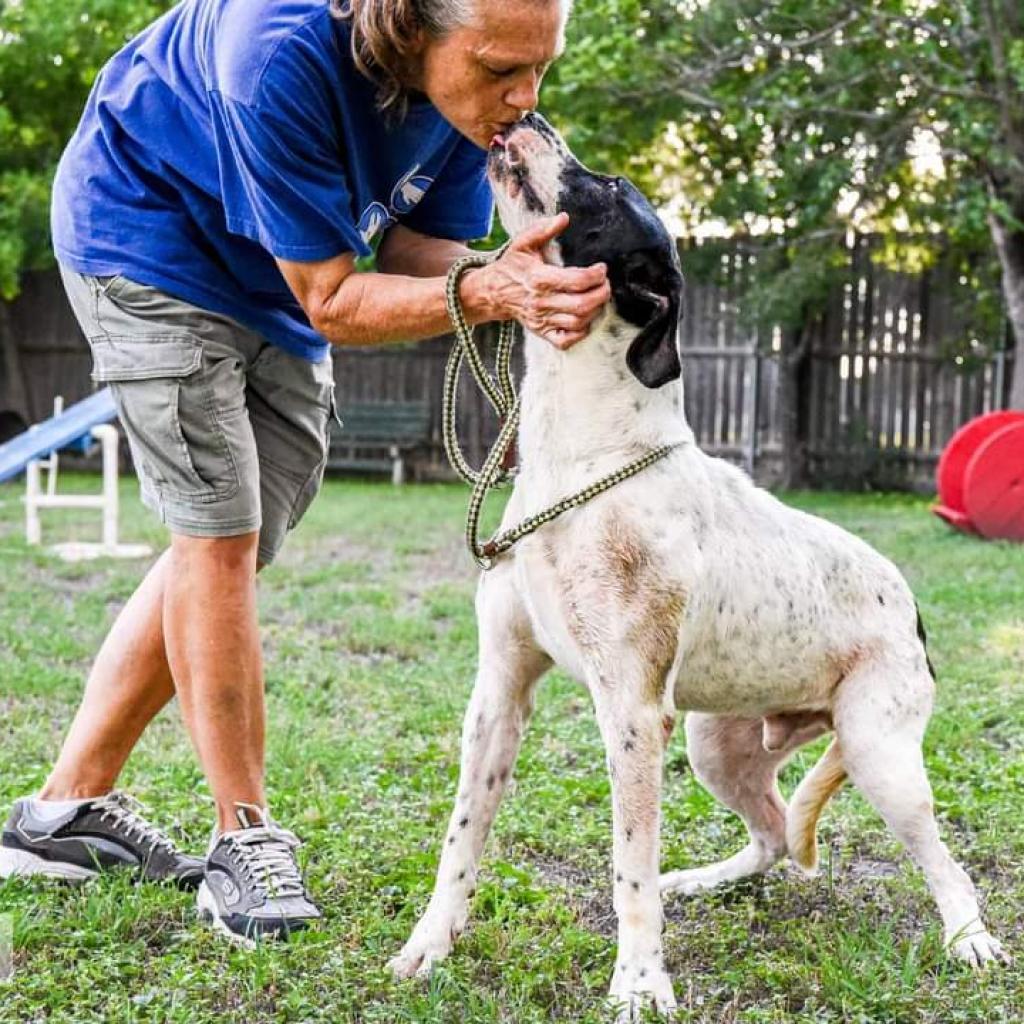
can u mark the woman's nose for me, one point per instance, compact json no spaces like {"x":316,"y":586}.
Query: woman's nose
{"x":525,"y":94}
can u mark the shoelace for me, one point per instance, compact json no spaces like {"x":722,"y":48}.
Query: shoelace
{"x":126,"y":812}
{"x":264,"y":854}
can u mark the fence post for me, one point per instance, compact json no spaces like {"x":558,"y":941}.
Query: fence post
{"x":999,"y":387}
{"x":753,"y":413}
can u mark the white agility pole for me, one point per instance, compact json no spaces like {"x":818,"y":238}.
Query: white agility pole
{"x":107,"y":503}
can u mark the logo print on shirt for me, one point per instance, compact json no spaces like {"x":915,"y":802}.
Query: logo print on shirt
{"x":375,"y":218}
{"x":408,"y":191}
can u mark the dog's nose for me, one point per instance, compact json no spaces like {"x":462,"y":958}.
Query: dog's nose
{"x":528,"y":119}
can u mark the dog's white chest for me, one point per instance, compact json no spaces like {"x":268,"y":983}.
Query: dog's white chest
{"x":539,"y":583}
{"x":604,"y":599}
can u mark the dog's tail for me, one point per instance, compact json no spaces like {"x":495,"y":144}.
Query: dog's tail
{"x":814,"y":791}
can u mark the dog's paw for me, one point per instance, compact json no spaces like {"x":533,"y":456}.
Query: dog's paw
{"x":688,"y":882}
{"x":430,"y":942}
{"x":978,"y":949}
{"x":637,"y":987}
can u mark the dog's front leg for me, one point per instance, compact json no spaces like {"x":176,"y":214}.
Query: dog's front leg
{"x":499,"y":709}
{"x":635,"y":731}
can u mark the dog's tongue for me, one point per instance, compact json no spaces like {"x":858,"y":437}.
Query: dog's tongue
{"x":498,"y":140}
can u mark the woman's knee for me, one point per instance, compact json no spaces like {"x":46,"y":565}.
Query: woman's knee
{"x":235,"y":554}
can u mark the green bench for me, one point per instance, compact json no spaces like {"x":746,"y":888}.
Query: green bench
{"x":376,"y":436}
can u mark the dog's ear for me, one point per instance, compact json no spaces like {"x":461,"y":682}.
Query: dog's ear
{"x":648,"y":291}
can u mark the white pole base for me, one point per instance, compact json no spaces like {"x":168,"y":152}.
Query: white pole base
{"x":82,"y":551}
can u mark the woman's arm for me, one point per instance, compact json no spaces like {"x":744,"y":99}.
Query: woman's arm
{"x":350,"y":308}
{"x":404,"y":251}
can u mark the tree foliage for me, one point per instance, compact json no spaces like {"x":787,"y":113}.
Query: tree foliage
{"x":50,"y":54}
{"x":803,"y":120}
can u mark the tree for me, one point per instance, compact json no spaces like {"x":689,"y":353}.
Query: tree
{"x":805,"y":118}
{"x":49,"y":56}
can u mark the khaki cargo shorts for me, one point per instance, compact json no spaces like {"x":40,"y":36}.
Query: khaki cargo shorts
{"x":229,"y":433}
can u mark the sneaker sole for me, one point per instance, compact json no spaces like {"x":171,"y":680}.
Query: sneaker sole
{"x":22,"y":864}
{"x":207,"y":908}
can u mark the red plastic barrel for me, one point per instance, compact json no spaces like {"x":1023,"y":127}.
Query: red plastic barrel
{"x":994,"y":484}
{"x":981,"y":477}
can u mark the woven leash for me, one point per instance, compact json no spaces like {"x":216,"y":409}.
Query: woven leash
{"x":501,"y":393}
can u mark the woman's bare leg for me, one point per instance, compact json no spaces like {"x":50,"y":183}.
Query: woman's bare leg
{"x":201,"y":594}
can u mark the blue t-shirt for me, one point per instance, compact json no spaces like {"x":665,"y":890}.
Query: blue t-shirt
{"x":232,"y":131}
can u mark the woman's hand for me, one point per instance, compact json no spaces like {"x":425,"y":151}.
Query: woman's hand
{"x":558,"y":303}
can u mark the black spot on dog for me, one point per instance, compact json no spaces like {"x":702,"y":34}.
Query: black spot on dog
{"x":490,"y":781}
{"x":628,"y":745}
{"x":643,"y":972}
{"x":543,"y":129}
{"x":464,"y":822}
{"x":531,"y":200}
{"x":618,"y":876}
{"x":923,"y":637}
{"x":451,"y":839}
{"x":629,"y":835}
{"x":636,"y":887}
{"x":881,"y":601}
{"x":462,"y":875}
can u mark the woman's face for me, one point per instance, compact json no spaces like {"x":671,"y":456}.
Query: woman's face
{"x":483,"y":77}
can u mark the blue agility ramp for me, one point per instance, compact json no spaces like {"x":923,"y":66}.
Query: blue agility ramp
{"x":61,"y":431}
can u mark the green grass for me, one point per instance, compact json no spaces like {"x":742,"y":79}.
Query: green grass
{"x":369,"y":637}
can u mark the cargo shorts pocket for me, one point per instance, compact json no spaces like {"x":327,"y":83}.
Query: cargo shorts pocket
{"x":169,"y":413}
{"x":311,"y":486}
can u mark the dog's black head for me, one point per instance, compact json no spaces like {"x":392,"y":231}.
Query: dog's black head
{"x":534,"y":175}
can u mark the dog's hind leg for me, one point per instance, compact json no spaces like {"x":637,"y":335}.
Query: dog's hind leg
{"x":510,"y":663}
{"x":635,"y":734}
{"x":737,"y":760}
{"x":880,"y":714}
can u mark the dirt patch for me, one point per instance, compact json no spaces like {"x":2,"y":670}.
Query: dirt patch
{"x":589,"y":894}
{"x":333,"y":549}
{"x":448,"y":561}
{"x":865,"y":868}
{"x":557,"y":872}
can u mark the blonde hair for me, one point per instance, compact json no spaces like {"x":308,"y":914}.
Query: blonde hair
{"x":383,"y":34}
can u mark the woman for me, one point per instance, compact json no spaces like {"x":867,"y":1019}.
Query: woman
{"x":232,"y":163}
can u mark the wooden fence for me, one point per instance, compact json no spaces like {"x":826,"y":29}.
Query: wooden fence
{"x":896,"y":363}
{"x":885,"y":376}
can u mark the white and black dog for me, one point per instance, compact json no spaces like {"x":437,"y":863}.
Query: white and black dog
{"x":684,"y":588}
